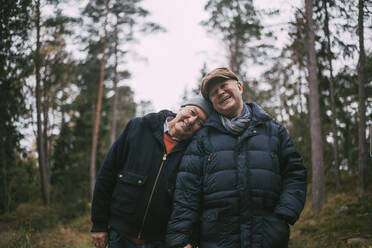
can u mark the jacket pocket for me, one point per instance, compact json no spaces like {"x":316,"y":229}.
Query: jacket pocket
{"x":276,"y":232}
{"x":128,"y":189}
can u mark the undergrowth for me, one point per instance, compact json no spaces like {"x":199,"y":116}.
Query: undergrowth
{"x":342,"y":218}
{"x":32,"y":225}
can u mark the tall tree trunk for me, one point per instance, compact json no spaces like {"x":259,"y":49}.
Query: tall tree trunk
{"x":40,"y":137}
{"x":318,"y":185}
{"x":332,"y":95}
{"x":4,"y":176}
{"x":361,"y":103}
{"x":116,"y":93}
{"x":45,"y":118}
{"x":233,"y":56}
{"x":348,"y":151}
{"x":98,"y":108}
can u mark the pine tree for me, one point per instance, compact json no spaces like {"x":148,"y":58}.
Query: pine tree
{"x":129,"y":18}
{"x":237,"y":25}
{"x":332,"y":95}
{"x":92,"y":168}
{"x":362,"y":156}
{"x":15,"y":24}
{"x":318,"y":183}
{"x":41,"y":142}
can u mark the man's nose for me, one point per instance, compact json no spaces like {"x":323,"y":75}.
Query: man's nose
{"x":220,"y":91}
{"x":193,"y":119}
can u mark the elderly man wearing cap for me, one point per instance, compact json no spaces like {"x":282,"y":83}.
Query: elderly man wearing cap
{"x":133,"y":194}
{"x":241,"y":176}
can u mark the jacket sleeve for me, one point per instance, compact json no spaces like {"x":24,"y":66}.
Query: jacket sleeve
{"x":183,"y":223}
{"x":106,"y":179}
{"x":293,"y":171}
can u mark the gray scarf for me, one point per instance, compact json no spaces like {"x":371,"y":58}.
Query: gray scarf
{"x":237,"y":124}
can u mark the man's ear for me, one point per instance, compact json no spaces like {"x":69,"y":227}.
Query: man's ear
{"x":240,"y":86}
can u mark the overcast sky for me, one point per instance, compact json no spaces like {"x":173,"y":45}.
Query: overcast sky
{"x":175,"y":58}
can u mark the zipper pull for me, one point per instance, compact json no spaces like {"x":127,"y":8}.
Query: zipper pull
{"x":164,"y":156}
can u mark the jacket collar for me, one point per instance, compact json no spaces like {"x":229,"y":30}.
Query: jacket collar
{"x":258,"y":114}
{"x":155,"y":121}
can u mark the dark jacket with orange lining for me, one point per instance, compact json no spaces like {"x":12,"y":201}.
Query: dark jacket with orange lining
{"x":134,"y":186}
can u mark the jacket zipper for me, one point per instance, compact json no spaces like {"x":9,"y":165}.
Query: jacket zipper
{"x":152,"y":192}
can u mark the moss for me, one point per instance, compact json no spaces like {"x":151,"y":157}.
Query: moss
{"x":343,"y":217}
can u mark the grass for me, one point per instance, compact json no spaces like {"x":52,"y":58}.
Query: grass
{"x":33,"y":225}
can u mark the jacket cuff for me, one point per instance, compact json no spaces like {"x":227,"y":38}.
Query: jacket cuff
{"x":99,"y":227}
{"x":288,"y":215}
{"x":175,"y":241}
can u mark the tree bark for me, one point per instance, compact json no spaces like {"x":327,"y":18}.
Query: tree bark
{"x":332,"y":95}
{"x":233,"y":54}
{"x":4,"y":176}
{"x":116,"y":93}
{"x":40,"y":136}
{"x":98,"y":108}
{"x":318,"y":185}
{"x":361,"y":104}
{"x":45,"y":118}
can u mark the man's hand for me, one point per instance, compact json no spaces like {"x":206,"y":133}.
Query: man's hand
{"x":188,"y":246}
{"x":99,"y":239}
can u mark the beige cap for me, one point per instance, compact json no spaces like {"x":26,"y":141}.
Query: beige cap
{"x":217,"y":75}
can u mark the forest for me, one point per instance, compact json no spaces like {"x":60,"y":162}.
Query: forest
{"x":63,"y":103}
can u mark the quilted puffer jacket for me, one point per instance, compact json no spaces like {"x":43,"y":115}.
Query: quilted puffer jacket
{"x":242,"y":191}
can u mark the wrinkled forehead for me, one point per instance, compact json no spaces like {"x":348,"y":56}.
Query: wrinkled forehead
{"x":216,"y":83}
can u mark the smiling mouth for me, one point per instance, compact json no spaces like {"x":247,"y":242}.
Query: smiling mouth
{"x":223,"y":100}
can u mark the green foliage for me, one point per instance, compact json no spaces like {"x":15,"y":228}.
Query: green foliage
{"x":32,"y":217}
{"x":14,"y":22}
{"x":23,"y":182}
{"x":72,"y":210}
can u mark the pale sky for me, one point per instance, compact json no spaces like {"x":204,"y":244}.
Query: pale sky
{"x":175,"y":58}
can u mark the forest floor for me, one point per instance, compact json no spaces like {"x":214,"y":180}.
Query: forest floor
{"x":344,"y":221}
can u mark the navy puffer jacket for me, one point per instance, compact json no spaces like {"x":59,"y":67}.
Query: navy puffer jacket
{"x":243,"y":190}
